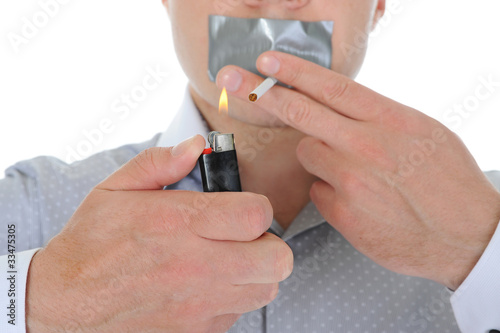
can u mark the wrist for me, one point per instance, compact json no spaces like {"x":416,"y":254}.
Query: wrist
{"x":32,"y":302}
{"x":41,"y":309}
{"x":34,"y":308}
{"x":467,"y":259}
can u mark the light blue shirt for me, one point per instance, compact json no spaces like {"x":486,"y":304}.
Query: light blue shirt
{"x":333,"y":288}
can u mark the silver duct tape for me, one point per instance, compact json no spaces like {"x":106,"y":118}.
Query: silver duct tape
{"x":239,"y":41}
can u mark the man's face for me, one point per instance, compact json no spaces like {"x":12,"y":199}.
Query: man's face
{"x":353,"y":19}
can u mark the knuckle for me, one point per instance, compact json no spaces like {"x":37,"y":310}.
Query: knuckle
{"x":195,"y":210}
{"x":342,"y":213}
{"x":308,"y":147}
{"x":192,"y":308}
{"x":145,"y":161}
{"x":168,"y":219}
{"x":315,"y":191}
{"x":272,"y":292}
{"x":193,"y":217}
{"x":283,"y":262}
{"x":334,"y":90}
{"x":374,"y":152}
{"x":225,"y":321}
{"x":246,"y":263}
{"x":295,"y":76}
{"x":410,"y":121}
{"x":187,"y":274}
{"x":304,"y":146}
{"x":371,"y":149}
{"x":298,"y":111}
{"x":201,"y":201}
{"x":350,"y":182}
{"x":266,"y":294}
{"x":262,"y":294}
{"x":258,"y":214}
{"x":398,"y":120}
{"x":109,"y":207}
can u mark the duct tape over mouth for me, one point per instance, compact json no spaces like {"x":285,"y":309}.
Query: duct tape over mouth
{"x":240,"y":41}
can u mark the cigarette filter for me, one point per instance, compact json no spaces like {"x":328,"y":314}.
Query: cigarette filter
{"x":219,"y":164}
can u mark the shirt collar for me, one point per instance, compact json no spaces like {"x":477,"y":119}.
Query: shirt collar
{"x":308,"y":218}
{"x":189,"y":122}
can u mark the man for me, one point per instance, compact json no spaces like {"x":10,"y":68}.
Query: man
{"x":396,"y":188}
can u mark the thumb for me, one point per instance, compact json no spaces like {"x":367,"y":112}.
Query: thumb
{"x":156,"y":167}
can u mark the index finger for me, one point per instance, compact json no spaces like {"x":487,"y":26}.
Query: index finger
{"x":292,"y":107}
{"x":329,"y":88}
{"x":241,"y":216}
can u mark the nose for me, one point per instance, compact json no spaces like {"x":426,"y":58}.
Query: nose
{"x":290,"y":4}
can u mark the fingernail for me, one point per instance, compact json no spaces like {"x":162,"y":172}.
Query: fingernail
{"x":183,"y":147}
{"x":269,"y":65}
{"x":231,"y":79}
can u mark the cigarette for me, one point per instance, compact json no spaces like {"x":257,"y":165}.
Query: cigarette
{"x":262,"y":89}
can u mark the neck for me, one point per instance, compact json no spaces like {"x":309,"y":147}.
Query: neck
{"x":267,"y":162}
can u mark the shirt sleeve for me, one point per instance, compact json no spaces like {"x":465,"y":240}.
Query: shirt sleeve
{"x":14,"y":269}
{"x":19,"y":241}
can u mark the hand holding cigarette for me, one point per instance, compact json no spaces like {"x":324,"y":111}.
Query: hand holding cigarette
{"x":393,"y":180}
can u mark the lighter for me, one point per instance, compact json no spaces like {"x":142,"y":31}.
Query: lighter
{"x":219,"y":165}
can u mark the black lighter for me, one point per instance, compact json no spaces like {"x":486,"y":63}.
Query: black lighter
{"x":219,"y":165}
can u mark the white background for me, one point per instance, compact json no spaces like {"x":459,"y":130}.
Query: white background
{"x":427,"y":54}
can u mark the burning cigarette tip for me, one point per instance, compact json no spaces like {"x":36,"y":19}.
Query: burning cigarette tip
{"x":262,"y":89}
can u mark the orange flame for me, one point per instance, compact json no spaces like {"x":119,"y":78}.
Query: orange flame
{"x":223,"y":105}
